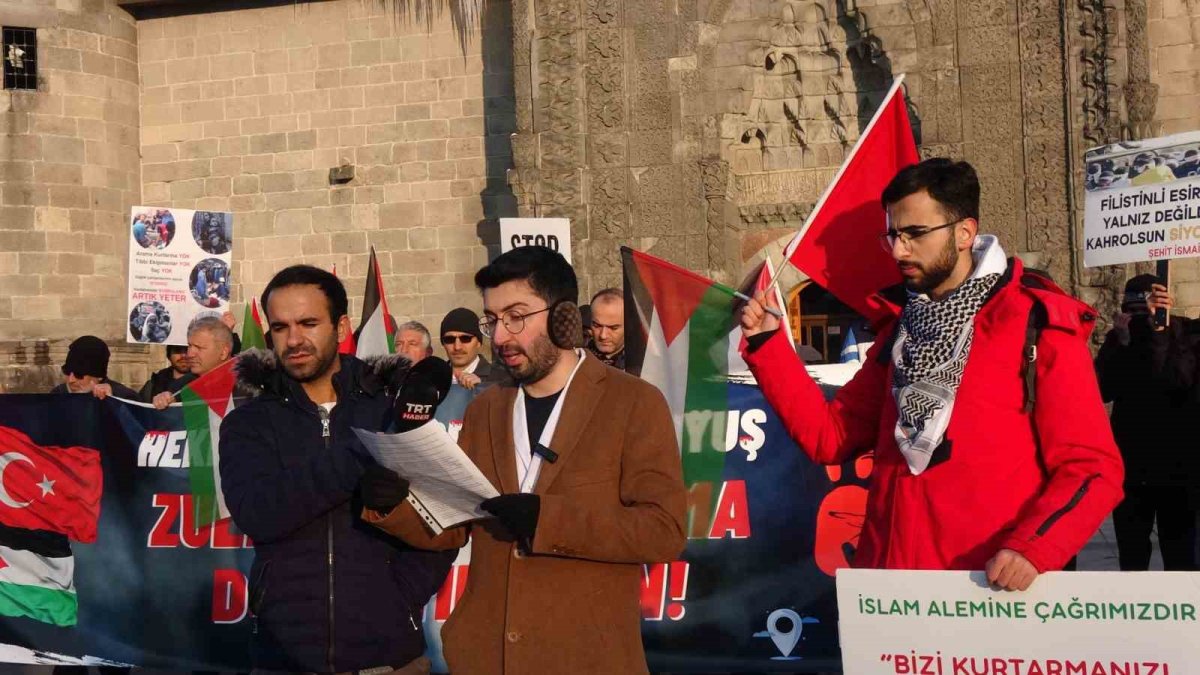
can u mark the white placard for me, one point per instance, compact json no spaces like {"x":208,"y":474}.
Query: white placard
{"x":1142,"y":200}
{"x":552,"y":233}
{"x":1067,"y":623}
{"x":179,"y":268}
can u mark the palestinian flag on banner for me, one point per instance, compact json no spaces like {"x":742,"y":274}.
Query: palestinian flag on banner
{"x":376,"y":334}
{"x":48,"y":495}
{"x":252,"y":328}
{"x":678,"y":328}
{"x":37,"y":577}
{"x":206,"y":401}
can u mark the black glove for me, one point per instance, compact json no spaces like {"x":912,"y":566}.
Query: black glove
{"x":518,"y":512}
{"x":382,"y":489}
{"x":424,"y":388}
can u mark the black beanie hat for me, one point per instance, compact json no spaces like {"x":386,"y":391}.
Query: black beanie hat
{"x":461,"y":320}
{"x":87,"y":355}
{"x":1142,"y":283}
{"x":1136,"y":290}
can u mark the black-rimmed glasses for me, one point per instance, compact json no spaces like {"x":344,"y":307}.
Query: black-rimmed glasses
{"x":513,"y":322}
{"x":908,"y":235}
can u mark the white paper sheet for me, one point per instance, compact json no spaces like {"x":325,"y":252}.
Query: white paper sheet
{"x":445,"y":487}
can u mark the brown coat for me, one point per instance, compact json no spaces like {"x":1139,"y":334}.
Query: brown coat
{"x":612,"y":501}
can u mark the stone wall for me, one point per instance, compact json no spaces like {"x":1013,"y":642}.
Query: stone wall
{"x":1174,"y":42}
{"x":248,"y":110}
{"x":1173,"y":34}
{"x":704,"y":132}
{"x":1135,"y":73}
{"x":69,"y":170}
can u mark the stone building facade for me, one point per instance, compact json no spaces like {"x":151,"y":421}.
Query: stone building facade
{"x":70,"y":171}
{"x":702,"y":131}
{"x":202,"y":105}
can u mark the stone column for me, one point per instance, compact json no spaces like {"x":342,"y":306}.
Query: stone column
{"x":69,"y":167}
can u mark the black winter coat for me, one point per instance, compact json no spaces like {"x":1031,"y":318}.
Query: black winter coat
{"x":164,"y":380}
{"x":1152,"y":384}
{"x":329,"y":592}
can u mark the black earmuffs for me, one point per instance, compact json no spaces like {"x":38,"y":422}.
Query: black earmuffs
{"x":565,"y":326}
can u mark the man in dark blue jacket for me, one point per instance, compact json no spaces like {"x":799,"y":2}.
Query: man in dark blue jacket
{"x":330,"y":594}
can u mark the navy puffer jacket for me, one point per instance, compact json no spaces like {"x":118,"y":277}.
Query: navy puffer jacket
{"x":329,"y":592}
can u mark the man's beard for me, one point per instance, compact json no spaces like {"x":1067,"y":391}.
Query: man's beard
{"x":314,"y":368}
{"x":537,"y":365}
{"x":937,"y":272}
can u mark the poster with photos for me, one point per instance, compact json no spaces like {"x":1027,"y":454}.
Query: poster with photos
{"x":1142,"y":200}
{"x":179,"y":269}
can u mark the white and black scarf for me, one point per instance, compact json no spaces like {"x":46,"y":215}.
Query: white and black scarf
{"x":933,"y":340}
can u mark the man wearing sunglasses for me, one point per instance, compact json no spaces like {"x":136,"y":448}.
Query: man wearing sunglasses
{"x":973,"y":470}
{"x":86,"y":371}
{"x":463,"y":341}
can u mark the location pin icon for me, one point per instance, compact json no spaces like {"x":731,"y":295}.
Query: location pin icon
{"x":785,"y":641}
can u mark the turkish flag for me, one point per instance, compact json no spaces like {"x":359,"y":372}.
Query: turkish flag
{"x":839,"y":246}
{"x":49,"y":488}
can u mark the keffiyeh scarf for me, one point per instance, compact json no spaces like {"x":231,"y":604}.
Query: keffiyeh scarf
{"x":933,"y":340}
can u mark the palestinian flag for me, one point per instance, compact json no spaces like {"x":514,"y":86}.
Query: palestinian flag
{"x":678,"y":330}
{"x":376,"y":334}
{"x":252,"y":328}
{"x":206,"y":401}
{"x":48,"y":495}
{"x":37,"y":577}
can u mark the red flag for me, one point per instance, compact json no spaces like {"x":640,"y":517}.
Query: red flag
{"x":839,"y":245}
{"x":49,"y":488}
{"x":347,"y":346}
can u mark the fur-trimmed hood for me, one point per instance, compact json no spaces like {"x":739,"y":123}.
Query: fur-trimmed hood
{"x":258,"y":372}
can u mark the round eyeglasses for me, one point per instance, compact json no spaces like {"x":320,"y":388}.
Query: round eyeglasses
{"x":908,"y":235}
{"x":513,"y":322}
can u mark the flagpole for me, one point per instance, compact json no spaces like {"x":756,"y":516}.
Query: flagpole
{"x":770,"y":310}
{"x":791,"y":247}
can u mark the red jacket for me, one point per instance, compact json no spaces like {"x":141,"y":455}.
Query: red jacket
{"x":1038,"y":484}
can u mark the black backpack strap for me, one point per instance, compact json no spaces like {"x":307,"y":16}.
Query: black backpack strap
{"x":1033,"y":330}
{"x":885,"y":352}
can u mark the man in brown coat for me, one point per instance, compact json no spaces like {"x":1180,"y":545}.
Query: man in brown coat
{"x":586,"y":460}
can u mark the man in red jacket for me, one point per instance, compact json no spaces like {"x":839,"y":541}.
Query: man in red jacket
{"x":971,"y":472}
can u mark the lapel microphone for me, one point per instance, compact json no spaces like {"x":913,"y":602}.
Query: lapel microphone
{"x":545,"y":453}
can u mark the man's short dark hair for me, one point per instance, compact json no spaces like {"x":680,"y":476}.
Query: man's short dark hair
{"x":307,"y":275}
{"x":548,"y":273}
{"x":953,"y":185}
